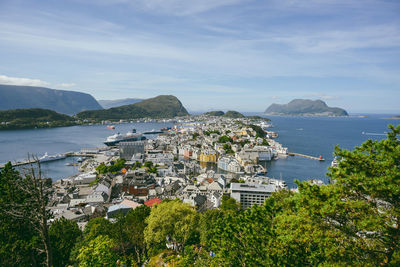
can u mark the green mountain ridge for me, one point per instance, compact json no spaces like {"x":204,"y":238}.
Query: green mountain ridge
{"x":24,"y":97}
{"x":163,"y":106}
{"x":33,"y":118}
{"x":305,"y":107}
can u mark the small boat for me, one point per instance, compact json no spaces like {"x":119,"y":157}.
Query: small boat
{"x":111,"y":127}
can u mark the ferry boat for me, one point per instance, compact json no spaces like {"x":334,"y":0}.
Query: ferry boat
{"x":111,"y":127}
{"x":113,"y":140}
{"x":46,"y":157}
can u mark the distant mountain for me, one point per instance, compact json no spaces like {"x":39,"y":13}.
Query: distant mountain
{"x":118,"y":102}
{"x":67,"y":102}
{"x":233,"y":114}
{"x":215,"y":113}
{"x":33,"y":118}
{"x":163,"y":106}
{"x":305,"y":107}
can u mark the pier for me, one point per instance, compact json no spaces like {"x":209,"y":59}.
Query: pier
{"x":306,"y":156}
{"x":33,"y":161}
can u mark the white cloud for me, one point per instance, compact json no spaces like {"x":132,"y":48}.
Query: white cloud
{"x":174,"y":7}
{"x":377,"y":36}
{"x":22,"y":81}
{"x":66,"y":84}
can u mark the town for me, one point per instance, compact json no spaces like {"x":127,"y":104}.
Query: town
{"x":199,"y":160}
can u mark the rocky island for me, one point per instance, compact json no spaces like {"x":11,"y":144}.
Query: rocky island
{"x":305,"y":107}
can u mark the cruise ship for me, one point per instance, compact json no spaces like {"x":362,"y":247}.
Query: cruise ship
{"x":46,"y":157}
{"x":113,"y":140}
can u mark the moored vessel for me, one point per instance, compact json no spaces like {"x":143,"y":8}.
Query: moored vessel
{"x":113,"y":140}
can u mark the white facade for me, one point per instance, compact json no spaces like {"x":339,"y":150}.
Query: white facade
{"x":249,"y":194}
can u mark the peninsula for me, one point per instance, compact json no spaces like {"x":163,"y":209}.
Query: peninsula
{"x":163,"y":106}
{"x":33,"y":118}
{"x":305,"y":107}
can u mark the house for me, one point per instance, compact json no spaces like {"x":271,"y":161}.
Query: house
{"x":150,"y":203}
{"x":97,"y":197}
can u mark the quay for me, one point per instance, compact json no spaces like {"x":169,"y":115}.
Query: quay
{"x":306,"y":156}
{"x":32,"y":161}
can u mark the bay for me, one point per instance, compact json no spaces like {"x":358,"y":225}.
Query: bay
{"x":17,"y":144}
{"x":312,"y":136}
{"x":317,"y":136}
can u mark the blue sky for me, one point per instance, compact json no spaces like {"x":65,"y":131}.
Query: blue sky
{"x":225,"y":54}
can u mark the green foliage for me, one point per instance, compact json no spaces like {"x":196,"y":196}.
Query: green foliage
{"x":174,"y":219}
{"x":228,"y":149}
{"x":152,"y":170}
{"x":259,"y":131}
{"x":18,"y":241}
{"x":163,"y":106}
{"x":215,"y":113}
{"x":148,"y":164}
{"x":63,"y":235}
{"x":229,"y":204}
{"x":137,"y":165}
{"x":96,"y":227}
{"x":225,"y":139}
{"x":233,"y":114}
{"x":128,"y":231}
{"x":195,"y":135}
{"x":98,"y":252}
{"x":113,"y":168}
{"x":265,"y":142}
{"x":33,"y":118}
{"x":207,"y":133}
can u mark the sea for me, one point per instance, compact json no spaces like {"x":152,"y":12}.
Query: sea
{"x":314,"y":136}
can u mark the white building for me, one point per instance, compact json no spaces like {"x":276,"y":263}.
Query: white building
{"x":250,"y":194}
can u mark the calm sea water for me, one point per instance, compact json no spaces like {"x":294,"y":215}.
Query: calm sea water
{"x":312,"y":136}
{"x":16,"y":145}
{"x":317,"y":136}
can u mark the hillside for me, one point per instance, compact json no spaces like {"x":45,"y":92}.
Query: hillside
{"x":66,"y":102}
{"x":33,"y":118}
{"x":233,"y":114}
{"x":163,"y":106}
{"x":215,"y":113}
{"x":118,"y":102}
{"x":305,"y":107}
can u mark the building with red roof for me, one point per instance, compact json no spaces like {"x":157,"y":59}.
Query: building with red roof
{"x":150,"y":203}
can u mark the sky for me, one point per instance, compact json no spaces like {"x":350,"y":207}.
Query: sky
{"x":213,"y":55}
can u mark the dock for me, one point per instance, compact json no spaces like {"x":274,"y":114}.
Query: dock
{"x":306,"y":156}
{"x":33,"y":161}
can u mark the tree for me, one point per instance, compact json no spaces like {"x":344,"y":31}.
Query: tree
{"x":367,"y":181}
{"x":63,"y":235}
{"x":96,"y":227}
{"x":18,"y":241}
{"x":27,"y":205}
{"x":98,"y":252}
{"x":129,"y":232}
{"x":171,"y":220}
{"x":229,"y":204}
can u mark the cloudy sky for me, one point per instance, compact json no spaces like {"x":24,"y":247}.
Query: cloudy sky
{"x":225,"y":54}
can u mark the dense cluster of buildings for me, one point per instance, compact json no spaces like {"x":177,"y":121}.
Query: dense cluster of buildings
{"x":197,"y":162}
